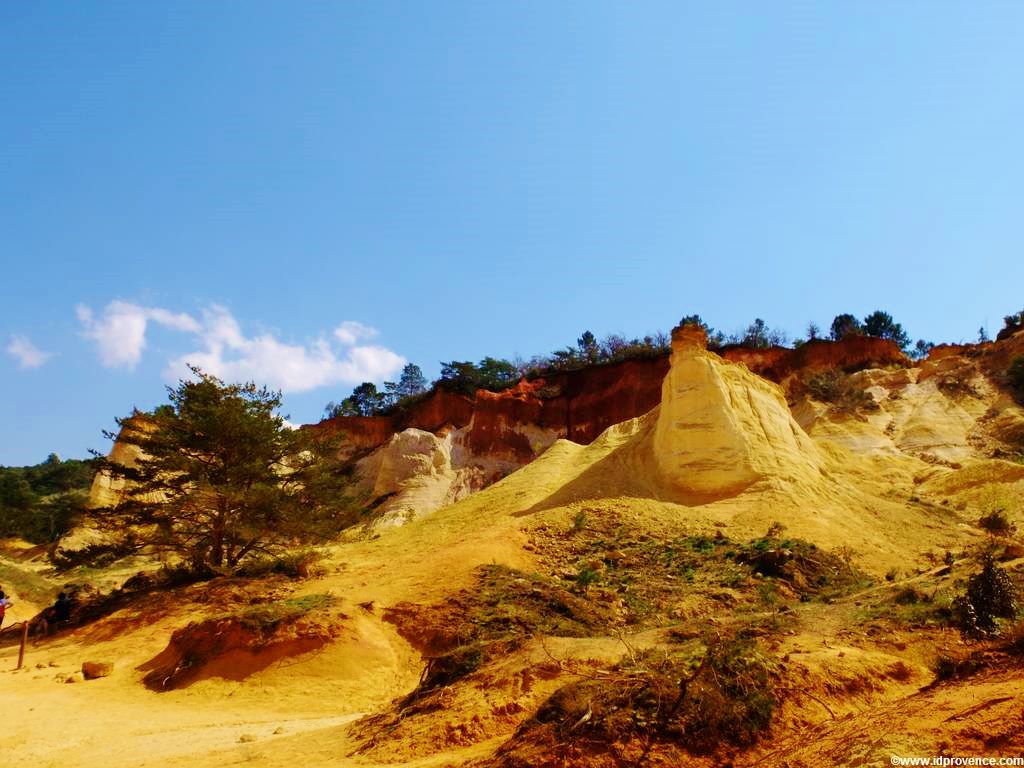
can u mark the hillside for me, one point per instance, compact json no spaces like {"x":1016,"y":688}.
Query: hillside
{"x":601,"y":547}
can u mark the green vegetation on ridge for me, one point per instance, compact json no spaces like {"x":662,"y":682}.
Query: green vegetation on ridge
{"x":498,"y":374}
{"x":39,"y":503}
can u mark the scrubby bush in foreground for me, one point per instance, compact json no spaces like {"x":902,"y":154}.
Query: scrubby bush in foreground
{"x":990,"y":595}
{"x":699,"y":703}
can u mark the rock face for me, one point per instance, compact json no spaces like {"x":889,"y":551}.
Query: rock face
{"x":852,"y":353}
{"x":85,"y":542}
{"x":448,"y":445}
{"x":235,"y":647}
{"x":416,"y":472}
{"x":105,"y":490}
{"x":516,"y":425}
{"x":721,"y":428}
{"x":945,"y":410}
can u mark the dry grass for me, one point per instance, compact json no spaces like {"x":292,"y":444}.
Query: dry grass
{"x":698,"y":701}
{"x":836,"y":388}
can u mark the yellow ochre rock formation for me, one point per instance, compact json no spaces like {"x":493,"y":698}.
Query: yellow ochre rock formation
{"x":722,"y":428}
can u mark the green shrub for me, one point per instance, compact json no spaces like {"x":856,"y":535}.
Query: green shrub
{"x":729,"y":698}
{"x":957,"y":384}
{"x":450,"y":667}
{"x":264,"y":617}
{"x":997,"y":523}
{"x":910,"y":596}
{"x":587,"y":575}
{"x":579,"y":520}
{"x":504,"y":608}
{"x":299,"y":564}
{"x":1011,"y":324}
{"x":1015,"y":376}
{"x":701,"y":544}
{"x":834,"y":387}
{"x":949,"y":667}
{"x":990,"y":595}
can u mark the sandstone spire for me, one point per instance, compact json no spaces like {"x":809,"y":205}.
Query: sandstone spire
{"x":722,"y":428}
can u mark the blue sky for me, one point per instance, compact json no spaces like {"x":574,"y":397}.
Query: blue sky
{"x":312,"y":193}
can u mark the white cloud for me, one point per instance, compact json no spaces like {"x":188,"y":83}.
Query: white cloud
{"x":26,"y":353}
{"x":351,"y":332}
{"x":226,"y":352}
{"x":120,"y":334}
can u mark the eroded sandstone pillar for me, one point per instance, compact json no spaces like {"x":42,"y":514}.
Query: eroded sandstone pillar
{"x":720,"y":427}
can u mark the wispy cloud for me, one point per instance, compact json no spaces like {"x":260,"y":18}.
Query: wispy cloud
{"x":120,"y":333}
{"x":351,"y":332}
{"x":224,"y":350}
{"x":26,"y":353}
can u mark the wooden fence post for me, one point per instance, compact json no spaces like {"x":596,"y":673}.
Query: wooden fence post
{"x":24,"y":639}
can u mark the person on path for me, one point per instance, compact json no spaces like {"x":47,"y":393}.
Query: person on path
{"x":4,"y":605}
{"x":57,"y":614}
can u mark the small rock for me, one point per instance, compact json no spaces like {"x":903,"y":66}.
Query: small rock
{"x":246,"y":738}
{"x":74,"y":677}
{"x":52,"y":663}
{"x":278,"y":731}
{"x":93,"y":669}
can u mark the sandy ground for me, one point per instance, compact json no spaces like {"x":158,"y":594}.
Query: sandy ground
{"x":888,"y":507}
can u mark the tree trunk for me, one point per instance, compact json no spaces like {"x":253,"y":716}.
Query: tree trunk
{"x":217,"y":546}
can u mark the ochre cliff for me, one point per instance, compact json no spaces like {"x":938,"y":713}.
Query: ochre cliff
{"x":850,"y":354}
{"x":476,"y":441}
{"x":519,"y":423}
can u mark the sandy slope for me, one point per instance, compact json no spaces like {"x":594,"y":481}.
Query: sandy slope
{"x":894,"y":497}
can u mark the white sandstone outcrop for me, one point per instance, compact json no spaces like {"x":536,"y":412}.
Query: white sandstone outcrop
{"x":417,"y":472}
{"x":722,"y":428}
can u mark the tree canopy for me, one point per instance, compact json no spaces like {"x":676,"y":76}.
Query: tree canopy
{"x":222,"y":476}
{"x":411,"y":383}
{"x":367,"y":400}
{"x":844,"y":325}
{"x":40,"y":502}
{"x":881,"y":325}
{"x":490,"y":373}
{"x":878,"y":324}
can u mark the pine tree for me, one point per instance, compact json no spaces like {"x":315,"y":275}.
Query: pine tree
{"x":221,"y":476}
{"x":844,"y":325}
{"x":412,"y":382}
{"x":881,"y":324}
